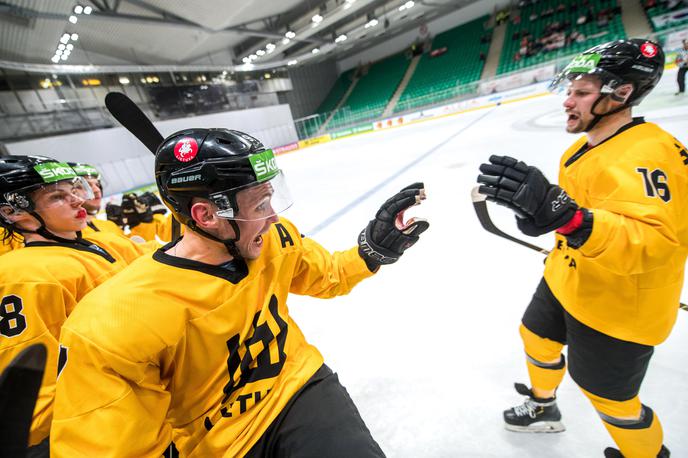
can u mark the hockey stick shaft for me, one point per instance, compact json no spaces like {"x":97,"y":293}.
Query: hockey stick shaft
{"x":480,"y":207}
{"x":135,"y":121}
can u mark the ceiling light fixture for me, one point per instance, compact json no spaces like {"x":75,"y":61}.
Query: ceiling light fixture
{"x":406,"y":5}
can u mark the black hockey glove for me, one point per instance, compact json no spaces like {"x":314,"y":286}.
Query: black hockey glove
{"x":155,"y":204}
{"x":541,"y":207}
{"x":135,"y":211}
{"x":114,"y":214}
{"x":386,"y":237}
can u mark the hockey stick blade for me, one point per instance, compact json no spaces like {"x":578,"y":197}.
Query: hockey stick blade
{"x":480,"y":206}
{"x":134,"y":120}
{"x":19,"y":386}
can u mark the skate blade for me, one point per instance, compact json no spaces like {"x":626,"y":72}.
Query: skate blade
{"x":539,"y":427}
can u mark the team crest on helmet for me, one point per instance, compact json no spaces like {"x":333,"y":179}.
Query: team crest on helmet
{"x":648,"y":50}
{"x":186,"y":149}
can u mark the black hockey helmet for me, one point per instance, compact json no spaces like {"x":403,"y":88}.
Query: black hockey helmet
{"x":87,"y":171}
{"x":216,"y":164}
{"x":84,"y":170}
{"x":20,"y":176}
{"x":637,"y":61}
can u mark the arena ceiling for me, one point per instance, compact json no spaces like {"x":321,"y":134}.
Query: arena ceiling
{"x":237,"y":34}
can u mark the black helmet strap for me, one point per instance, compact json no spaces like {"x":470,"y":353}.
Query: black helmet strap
{"x":230,"y":244}
{"x":44,"y":232}
{"x":598,"y":117}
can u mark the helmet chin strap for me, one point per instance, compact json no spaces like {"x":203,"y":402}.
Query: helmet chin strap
{"x":598,"y":117}
{"x":230,"y":244}
{"x":44,"y":232}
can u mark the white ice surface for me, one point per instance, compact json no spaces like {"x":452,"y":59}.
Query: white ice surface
{"x":429,"y":348}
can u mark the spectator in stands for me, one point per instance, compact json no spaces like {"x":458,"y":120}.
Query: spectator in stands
{"x":673,"y":5}
{"x":682,"y":63}
{"x":603,"y":18}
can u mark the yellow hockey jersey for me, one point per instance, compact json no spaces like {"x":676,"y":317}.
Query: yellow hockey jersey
{"x":160,"y":227}
{"x":626,"y":280}
{"x":101,"y":225}
{"x":207,"y":356}
{"x":39,"y":287}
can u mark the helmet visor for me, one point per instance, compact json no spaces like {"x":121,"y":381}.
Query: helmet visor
{"x":50,"y":195}
{"x":584,"y":65}
{"x":254,"y":202}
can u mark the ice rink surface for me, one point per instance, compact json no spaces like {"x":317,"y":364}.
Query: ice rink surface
{"x":429,"y":347}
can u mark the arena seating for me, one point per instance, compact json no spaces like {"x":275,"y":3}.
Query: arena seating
{"x":444,"y":76}
{"x":373,"y":90}
{"x":654,"y":9}
{"x":536,"y":21}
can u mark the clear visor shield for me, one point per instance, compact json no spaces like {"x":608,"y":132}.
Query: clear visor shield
{"x":582,"y":67}
{"x":73,"y":190}
{"x":255,"y":201}
{"x":96,"y":185}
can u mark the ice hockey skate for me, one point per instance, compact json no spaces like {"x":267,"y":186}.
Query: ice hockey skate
{"x":534,"y":415}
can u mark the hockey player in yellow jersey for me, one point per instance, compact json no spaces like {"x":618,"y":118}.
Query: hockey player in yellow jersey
{"x":41,"y":199}
{"x":196,"y":345}
{"x":92,"y":206}
{"x":612,"y":282}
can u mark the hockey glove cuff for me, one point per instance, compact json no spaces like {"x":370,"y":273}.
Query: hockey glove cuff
{"x":386,"y":237}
